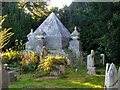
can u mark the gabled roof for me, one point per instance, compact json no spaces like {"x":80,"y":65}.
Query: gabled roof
{"x":52,"y":26}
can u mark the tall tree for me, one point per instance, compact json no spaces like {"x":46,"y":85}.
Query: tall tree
{"x":38,"y":10}
{"x":98,"y":25}
{"x":20,"y":22}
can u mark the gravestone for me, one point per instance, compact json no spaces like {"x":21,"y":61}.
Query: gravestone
{"x":106,"y":71}
{"x":90,"y":63}
{"x":11,"y":76}
{"x":111,"y":78}
{"x":119,"y":79}
{"x":61,"y":69}
{"x":3,"y":74}
{"x":102,"y":60}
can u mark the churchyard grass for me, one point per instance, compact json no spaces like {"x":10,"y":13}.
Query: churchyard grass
{"x":72,"y":79}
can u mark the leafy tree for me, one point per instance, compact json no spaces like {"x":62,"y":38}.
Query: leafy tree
{"x":38,"y":10}
{"x":20,"y":21}
{"x":98,"y":24}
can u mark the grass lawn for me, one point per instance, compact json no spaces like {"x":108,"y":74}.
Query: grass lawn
{"x":72,"y":79}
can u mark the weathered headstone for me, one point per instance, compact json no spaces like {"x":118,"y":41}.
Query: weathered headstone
{"x":119,"y":79}
{"x":3,"y":74}
{"x":106,"y":71}
{"x":92,"y":70}
{"x":11,"y":76}
{"x":61,"y":69}
{"x":111,"y":78}
{"x":90,"y":63}
{"x":102,"y":58}
{"x":53,"y":73}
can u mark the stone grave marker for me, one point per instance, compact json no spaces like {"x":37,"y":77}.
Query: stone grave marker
{"x":111,"y":78}
{"x":90,"y":63}
{"x":102,"y":60}
{"x":3,"y":74}
{"x":119,"y":79}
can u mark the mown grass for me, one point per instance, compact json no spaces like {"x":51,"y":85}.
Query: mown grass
{"x":72,"y":79}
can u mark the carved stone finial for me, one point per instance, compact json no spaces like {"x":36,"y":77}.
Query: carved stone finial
{"x":75,"y":34}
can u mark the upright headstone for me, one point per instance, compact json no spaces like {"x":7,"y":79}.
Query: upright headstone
{"x":102,"y":58}
{"x":119,"y":79}
{"x":74,"y":43}
{"x":111,"y":81}
{"x":3,"y":74}
{"x":106,"y":71}
{"x":90,"y":63}
{"x":11,"y":76}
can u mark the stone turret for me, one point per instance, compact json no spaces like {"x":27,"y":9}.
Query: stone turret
{"x":74,"y":43}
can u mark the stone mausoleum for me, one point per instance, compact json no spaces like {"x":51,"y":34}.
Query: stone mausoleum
{"x":53,"y":35}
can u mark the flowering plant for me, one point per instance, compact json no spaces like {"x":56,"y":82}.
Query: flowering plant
{"x":29,"y":58}
{"x":29,"y":62}
{"x":52,"y":62}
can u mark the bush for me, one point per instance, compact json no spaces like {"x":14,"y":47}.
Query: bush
{"x":29,"y":62}
{"x":50,"y":63}
{"x":12,"y":57}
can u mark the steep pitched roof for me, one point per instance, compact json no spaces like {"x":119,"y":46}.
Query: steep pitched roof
{"x":52,"y":26}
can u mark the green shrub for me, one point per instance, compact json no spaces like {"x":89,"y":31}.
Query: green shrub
{"x":50,"y":63}
{"x":29,"y":62}
{"x":12,"y":57}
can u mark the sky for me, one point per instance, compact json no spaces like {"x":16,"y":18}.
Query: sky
{"x":60,"y":3}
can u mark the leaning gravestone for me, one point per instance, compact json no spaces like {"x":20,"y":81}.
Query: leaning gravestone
{"x":111,"y":77}
{"x":90,"y":63}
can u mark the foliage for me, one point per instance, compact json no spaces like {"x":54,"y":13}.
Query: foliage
{"x":12,"y":57}
{"x":20,"y":22}
{"x":51,"y":62}
{"x":4,"y":34}
{"x":19,"y":46}
{"x":37,"y":10}
{"x":29,"y":62}
{"x":29,"y":58}
{"x":98,"y":24}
